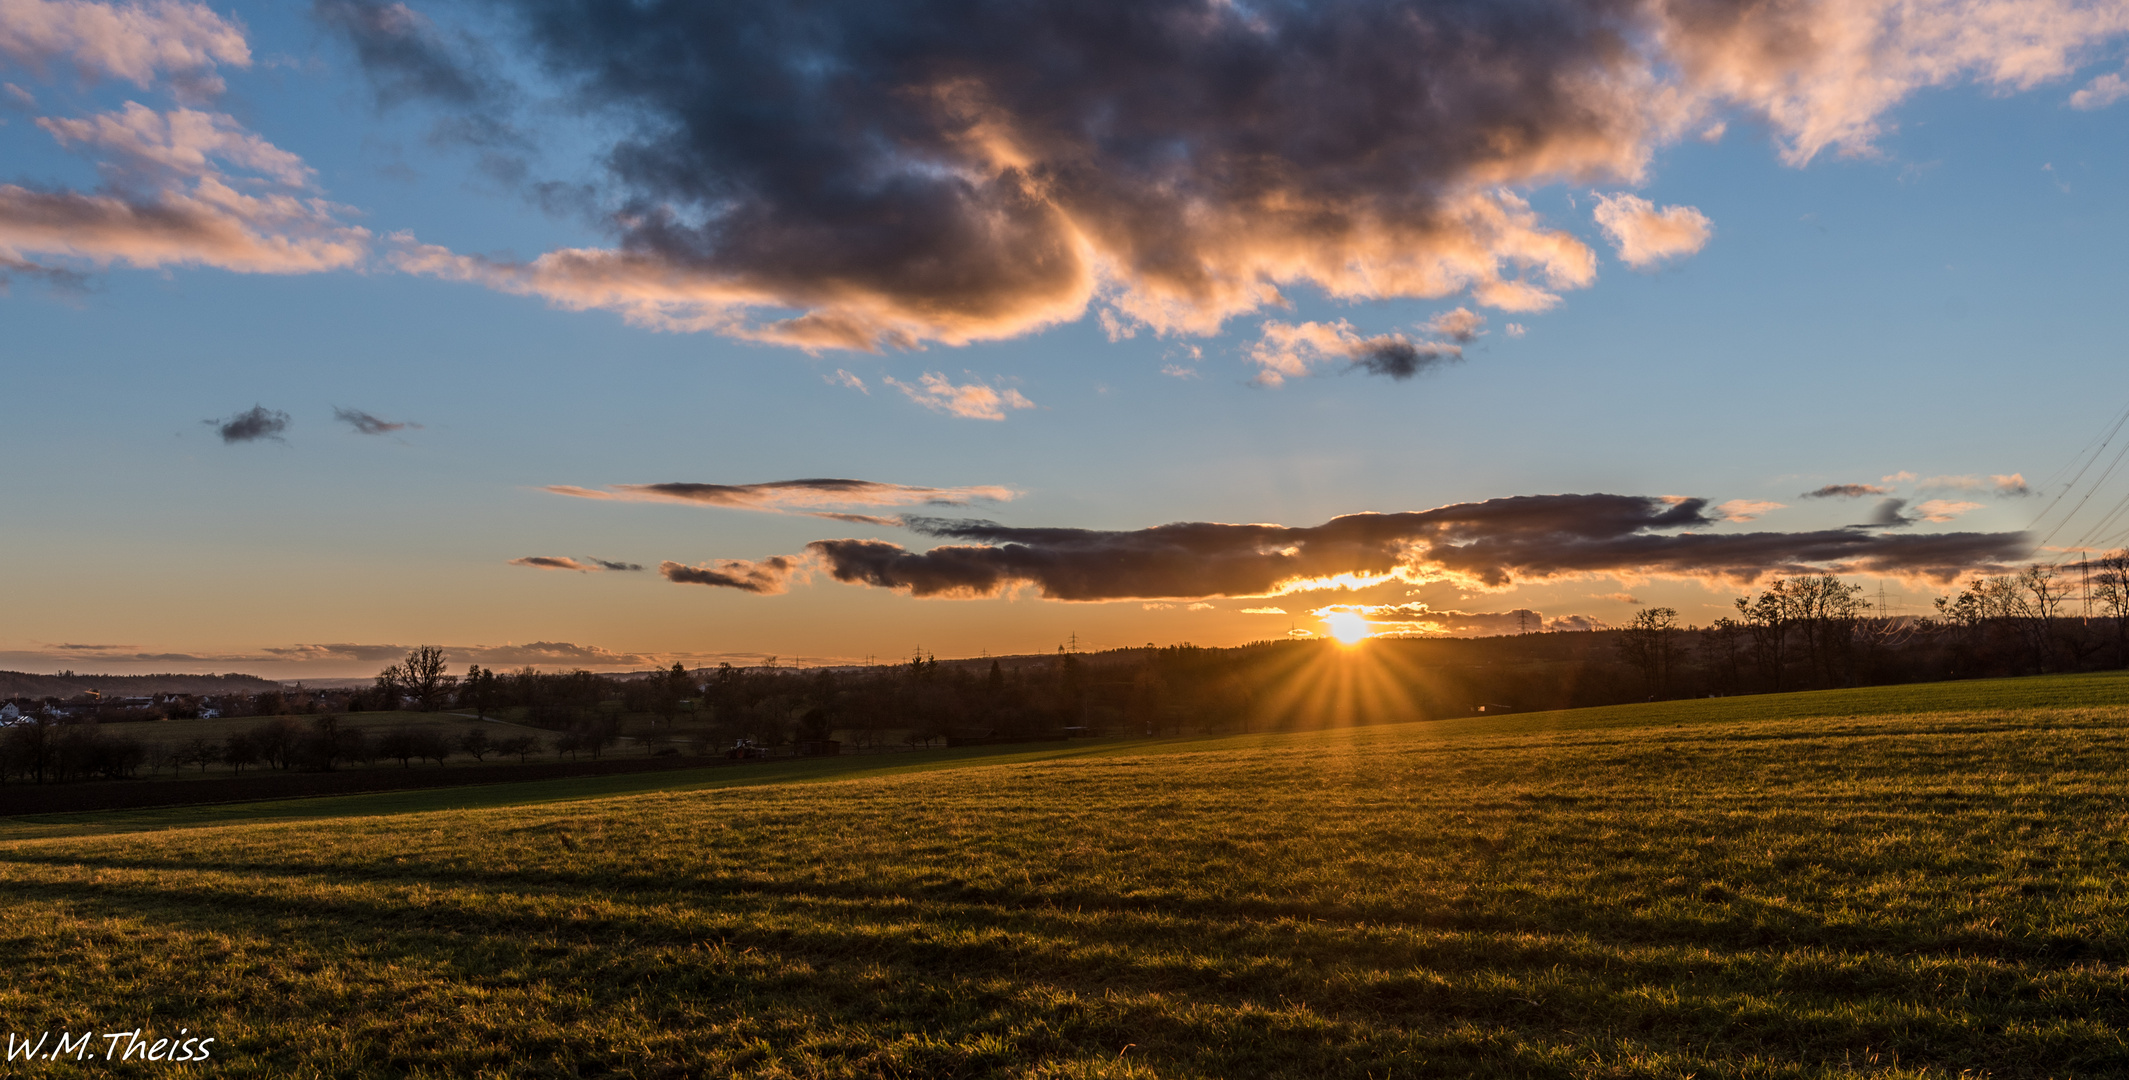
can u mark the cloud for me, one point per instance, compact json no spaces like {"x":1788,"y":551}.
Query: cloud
{"x":1845,"y":491}
{"x":1516,"y":329}
{"x":844,"y":378}
{"x":147,"y":144}
{"x":407,"y":57}
{"x":2101,"y":92}
{"x":1617,"y":597}
{"x":2011,"y":486}
{"x":809,"y":496}
{"x":974,"y":401}
{"x":1421,"y":620}
{"x":168,"y":200}
{"x":1748,"y":509}
{"x":1890,"y":514}
{"x":404,"y":55}
{"x":1460,"y":325}
{"x":1289,"y":350}
{"x":564,"y":562}
{"x":767,"y":577}
{"x":251,"y":425}
{"x":1263,"y":611}
{"x":1645,"y":236}
{"x":368,"y":424}
{"x":1942,"y":510}
{"x":859,"y":176}
{"x":1487,"y":545}
{"x":132,"y":42}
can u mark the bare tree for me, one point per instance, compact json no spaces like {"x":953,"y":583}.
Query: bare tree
{"x":1650,"y":642}
{"x":424,"y":678}
{"x":2112,"y":591}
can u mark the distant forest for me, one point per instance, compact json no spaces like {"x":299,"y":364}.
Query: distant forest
{"x":1799,"y":633}
{"x":67,"y":684}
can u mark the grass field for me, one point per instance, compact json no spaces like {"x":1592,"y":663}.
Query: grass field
{"x":1897,"y":882}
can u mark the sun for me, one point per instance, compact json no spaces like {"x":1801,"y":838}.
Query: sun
{"x":1347,"y":626}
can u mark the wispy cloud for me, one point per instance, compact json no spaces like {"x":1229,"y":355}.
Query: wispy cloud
{"x":370,"y":425}
{"x":813,"y":497}
{"x":2002,"y":485}
{"x":2101,"y":92}
{"x":846,"y":379}
{"x":1748,"y":509}
{"x":1845,"y":491}
{"x":767,"y":576}
{"x":564,"y":562}
{"x":974,"y":401}
{"x":1942,"y":510}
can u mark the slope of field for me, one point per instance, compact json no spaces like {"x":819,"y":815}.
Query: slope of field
{"x":1927,"y":883}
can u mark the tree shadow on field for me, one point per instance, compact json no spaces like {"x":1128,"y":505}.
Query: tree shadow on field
{"x":1226,"y":988}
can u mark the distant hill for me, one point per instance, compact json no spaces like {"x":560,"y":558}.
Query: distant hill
{"x":73,"y":684}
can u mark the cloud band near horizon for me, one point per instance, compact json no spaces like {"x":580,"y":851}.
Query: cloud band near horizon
{"x":1488,"y":545}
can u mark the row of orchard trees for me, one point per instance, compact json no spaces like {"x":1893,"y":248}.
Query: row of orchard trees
{"x":1817,"y":631}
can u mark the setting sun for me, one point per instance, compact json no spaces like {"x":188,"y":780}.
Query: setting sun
{"x":1347,"y":626}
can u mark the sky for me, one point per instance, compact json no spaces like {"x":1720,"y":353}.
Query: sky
{"x":577,"y":334}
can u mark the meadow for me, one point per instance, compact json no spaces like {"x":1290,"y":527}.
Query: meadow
{"x":1921,"y":881}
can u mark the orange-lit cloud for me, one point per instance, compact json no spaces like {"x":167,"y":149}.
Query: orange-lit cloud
{"x":974,"y":401}
{"x":171,"y":202}
{"x":1289,"y":350}
{"x":1488,"y":545}
{"x":1941,"y":510}
{"x":970,"y":172}
{"x":768,"y":576}
{"x":134,"y":42}
{"x":1645,"y":236}
{"x":1421,"y":620}
{"x":1748,"y":509}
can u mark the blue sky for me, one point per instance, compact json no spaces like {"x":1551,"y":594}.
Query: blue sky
{"x":1944,"y":301}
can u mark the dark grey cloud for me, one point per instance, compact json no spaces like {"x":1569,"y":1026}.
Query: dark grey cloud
{"x":949,"y":170}
{"x":799,"y":496}
{"x":1399,"y":358}
{"x":369,"y":424}
{"x":1489,"y":544}
{"x":609,"y":564}
{"x":408,"y":57}
{"x":251,"y":425}
{"x":1890,"y":514}
{"x":1845,"y":491}
{"x":771,"y":575}
{"x":952,"y":170}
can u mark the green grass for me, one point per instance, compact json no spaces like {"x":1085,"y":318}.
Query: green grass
{"x":1898,"y":882}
